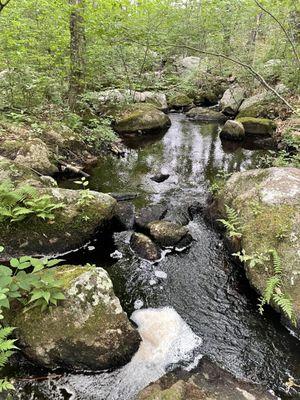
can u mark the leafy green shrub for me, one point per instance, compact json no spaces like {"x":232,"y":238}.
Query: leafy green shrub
{"x":17,"y":204}
{"x":23,"y":281}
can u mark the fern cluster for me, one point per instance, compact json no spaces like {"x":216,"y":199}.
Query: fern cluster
{"x":232,"y":223}
{"x":7,"y":347}
{"x":273,"y":290}
{"x":17,"y":204}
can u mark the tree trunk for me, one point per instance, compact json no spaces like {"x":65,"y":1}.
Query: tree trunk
{"x":77,"y":53}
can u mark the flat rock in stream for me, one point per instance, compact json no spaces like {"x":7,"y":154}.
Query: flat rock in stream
{"x":87,"y":330}
{"x":205,"y":114}
{"x":149,"y":214}
{"x":167,"y":233}
{"x":209,"y":383}
{"x":159,"y":178}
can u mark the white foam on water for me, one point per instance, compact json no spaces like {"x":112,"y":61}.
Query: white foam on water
{"x":160,"y":274}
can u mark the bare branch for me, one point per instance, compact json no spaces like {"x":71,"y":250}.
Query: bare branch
{"x":3,"y":4}
{"x":283,"y":29}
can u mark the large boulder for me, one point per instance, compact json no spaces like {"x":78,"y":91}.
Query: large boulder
{"x":209,"y":383}
{"x":205,"y":114}
{"x":35,"y":154}
{"x":233,"y":130}
{"x":74,"y":223}
{"x":258,"y":126}
{"x":232,"y":99}
{"x":102,"y":101}
{"x":140,"y":118}
{"x":187,"y":65}
{"x":87,"y":330}
{"x":265,"y":105}
{"x":268,"y":204}
{"x":180,"y":101}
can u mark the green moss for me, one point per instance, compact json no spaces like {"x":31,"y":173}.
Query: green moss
{"x":180,"y":100}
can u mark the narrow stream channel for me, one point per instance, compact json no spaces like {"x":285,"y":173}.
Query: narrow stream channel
{"x":191,"y":303}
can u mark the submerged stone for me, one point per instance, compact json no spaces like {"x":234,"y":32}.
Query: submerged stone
{"x":87,"y":330}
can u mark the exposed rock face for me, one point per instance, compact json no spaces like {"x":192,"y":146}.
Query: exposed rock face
{"x":35,"y":154}
{"x":233,"y":130}
{"x":232,"y":99}
{"x":205,"y":114}
{"x":141,"y":118}
{"x":180,"y":101}
{"x":258,"y":126}
{"x":73,"y":225}
{"x":268,"y":202}
{"x":87,"y":330}
{"x":210,"y":383}
{"x":144,"y":247}
{"x":167,"y":233}
{"x":100,"y":101}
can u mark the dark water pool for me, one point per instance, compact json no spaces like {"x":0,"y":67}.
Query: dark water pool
{"x":201,"y":284}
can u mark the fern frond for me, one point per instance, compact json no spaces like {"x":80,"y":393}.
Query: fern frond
{"x":286,"y":305}
{"x":5,"y":332}
{"x":272,"y":283}
{"x":276,"y":262}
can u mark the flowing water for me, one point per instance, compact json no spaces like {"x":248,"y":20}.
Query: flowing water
{"x":194,"y":302}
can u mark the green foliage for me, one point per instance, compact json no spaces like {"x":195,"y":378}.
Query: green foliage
{"x":23,"y":202}
{"x":7,"y":347}
{"x":282,"y":158}
{"x":232,"y":223}
{"x":252,"y":260}
{"x":26,"y":281}
{"x":99,"y":133}
{"x":86,"y":197}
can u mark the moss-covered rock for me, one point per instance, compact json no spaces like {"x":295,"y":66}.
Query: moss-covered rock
{"x":73,"y":225}
{"x":140,"y":118}
{"x":233,"y":130}
{"x":268,"y":202}
{"x":87,"y":330}
{"x":180,"y":101}
{"x":167,"y":233}
{"x":258,"y":126}
{"x":205,"y":114}
{"x":209,"y":383}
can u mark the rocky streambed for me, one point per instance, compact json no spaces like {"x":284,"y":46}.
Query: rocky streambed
{"x":190,"y":300}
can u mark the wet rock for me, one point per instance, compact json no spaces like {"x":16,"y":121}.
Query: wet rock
{"x":72,"y":226}
{"x":180,"y":101}
{"x":179,"y":216}
{"x":205,"y":114}
{"x":88,"y":330}
{"x":140,"y":118}
{"x":209,"y":383}
{"x":125,"y":215}
{"x":233,"y":130}
{"x":144,"y":247}
{"x":167,"y":233}
{"x":268,"y":202}
{"x":232,"y":99}
{"x":149,"y":214}
{"x":123,"y":196}
{"x":159,"y":178}
{"x":258,"y":126}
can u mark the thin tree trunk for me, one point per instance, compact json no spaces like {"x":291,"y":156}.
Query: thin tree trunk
{"x":3,"y":4}
{"x":77,"y":53}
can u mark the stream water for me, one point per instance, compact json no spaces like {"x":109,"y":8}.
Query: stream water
{"x":192,"y":303}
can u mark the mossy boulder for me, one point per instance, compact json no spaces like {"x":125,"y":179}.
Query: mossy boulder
{"x":180,"y":101}
{"x":232,"y":100}
{"x":169,"y":234}
{"x":233,"y":130}
{"x":205,"y":114}
{"x":209,"y":383}
{"x":73,"y":226}
{"x":87,"y":330}
{"x":140,"y":118}
{"x":268,"y":203}
{"x":258,"y":126}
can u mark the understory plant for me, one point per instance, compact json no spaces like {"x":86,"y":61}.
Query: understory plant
{"x":232,"y":223}
{"x":86,"y":197}
{"x":7,"y":348}
{"x":20,"y":203}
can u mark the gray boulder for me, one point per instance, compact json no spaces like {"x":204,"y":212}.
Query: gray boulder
{"x":233,"y":130}
{"x":232,"y":99}
{"x":205,"y":114}
{"x":87,"y":330}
